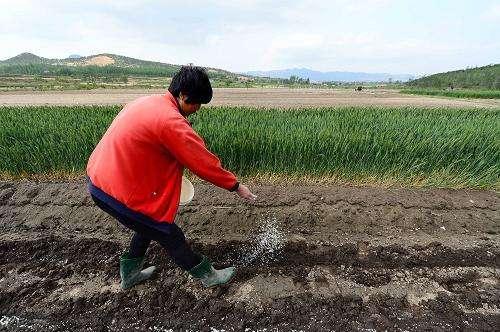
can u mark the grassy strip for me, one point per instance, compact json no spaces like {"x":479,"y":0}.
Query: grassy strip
{"x":476,"y":94}
{"x":410,"y":146}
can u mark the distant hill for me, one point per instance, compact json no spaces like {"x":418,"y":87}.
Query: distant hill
{"x":105,"y":63}
{"x":487,"y":77}
{"x":332,"y":76}
{"x":24,"y":58}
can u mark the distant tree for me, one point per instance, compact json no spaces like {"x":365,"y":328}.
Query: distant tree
{"x":496,"y":84}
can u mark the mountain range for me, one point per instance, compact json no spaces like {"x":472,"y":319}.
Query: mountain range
{"x":106,"y":59}
{"x":331,"y":76}
{"x":102,"y":60}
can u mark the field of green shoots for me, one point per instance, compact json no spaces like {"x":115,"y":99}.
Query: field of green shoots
{"x":408,"y":146}
{"x":473,"y":94}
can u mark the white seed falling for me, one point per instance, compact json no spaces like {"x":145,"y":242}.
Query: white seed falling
{"x":268,"y":242}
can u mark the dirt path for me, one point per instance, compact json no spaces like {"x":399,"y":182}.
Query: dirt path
{"x":281,"y":97}
{"x":308,"y":258}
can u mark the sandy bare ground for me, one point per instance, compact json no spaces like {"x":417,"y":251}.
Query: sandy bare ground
{"x":308,"y":258}
{"x":281,"y":97}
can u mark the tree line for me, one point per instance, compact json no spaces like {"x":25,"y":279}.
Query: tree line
{"x":487,"y":77}
{"x":86,"y":71}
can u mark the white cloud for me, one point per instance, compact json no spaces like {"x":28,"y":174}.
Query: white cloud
{"x":371,"y":35}
{"x":492,"y":13}
{"x":366,"y":6}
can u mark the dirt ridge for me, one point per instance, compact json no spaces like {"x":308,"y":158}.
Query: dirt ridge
{"x":308,"y":257}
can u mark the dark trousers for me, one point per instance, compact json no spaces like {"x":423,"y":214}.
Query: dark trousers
{"x":169,"y":236}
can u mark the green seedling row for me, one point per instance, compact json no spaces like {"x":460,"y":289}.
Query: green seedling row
{"x":406,"y":145}
{"x":472,"y":94}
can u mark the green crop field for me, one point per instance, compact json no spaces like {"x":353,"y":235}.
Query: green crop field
{"x":479,"y":94}
{"x":408,"y":146}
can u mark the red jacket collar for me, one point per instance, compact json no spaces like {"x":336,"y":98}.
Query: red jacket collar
{"x":172,"y":99}
{"x":174,"y":102}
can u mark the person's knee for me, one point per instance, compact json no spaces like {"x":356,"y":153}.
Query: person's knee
{"x":177,"y":233}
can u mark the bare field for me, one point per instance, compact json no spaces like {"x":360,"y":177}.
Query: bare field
{"x":265,"y":97}
{"x":310,"y":258}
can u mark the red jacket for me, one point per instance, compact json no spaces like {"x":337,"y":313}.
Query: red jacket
{"x":141,"y":157}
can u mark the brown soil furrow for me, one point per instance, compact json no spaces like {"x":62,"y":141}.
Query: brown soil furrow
{"x":44,"y":282}
{"x":333,"y":204}
{"x":326,"y":220}
{"x":308,"y":257}
{"x":289,"y":256}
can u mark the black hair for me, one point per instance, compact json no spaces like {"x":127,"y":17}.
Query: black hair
{"x":193,"y":82}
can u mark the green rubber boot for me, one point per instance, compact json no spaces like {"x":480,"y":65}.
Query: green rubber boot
{"x":209,"y":276}
{"x":131,"y":271}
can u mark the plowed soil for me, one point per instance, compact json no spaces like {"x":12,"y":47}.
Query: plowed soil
{"x":268,"y":97}
{"x":308,"y":258}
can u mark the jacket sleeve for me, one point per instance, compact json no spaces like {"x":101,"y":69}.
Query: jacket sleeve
{"x":190,"y":150}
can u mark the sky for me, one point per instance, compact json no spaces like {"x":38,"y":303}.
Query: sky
{"x":376,"y":36}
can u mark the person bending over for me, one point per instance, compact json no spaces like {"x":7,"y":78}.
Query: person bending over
{"x":135,"y":174}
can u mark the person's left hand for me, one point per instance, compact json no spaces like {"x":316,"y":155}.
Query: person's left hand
{"x":245,"y":193}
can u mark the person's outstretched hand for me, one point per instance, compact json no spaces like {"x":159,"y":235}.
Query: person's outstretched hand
{"x":245,"y":193}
